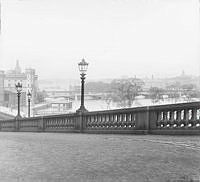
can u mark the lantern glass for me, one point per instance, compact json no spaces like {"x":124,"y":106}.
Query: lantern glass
{"x":83,"y":65}
{"x":29,"y":94}
{"x":18,"y":87}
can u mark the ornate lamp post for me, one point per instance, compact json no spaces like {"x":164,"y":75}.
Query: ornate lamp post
{"x":83,"y":65}
{"x":29,"y":101}
{"x":18,"y":87}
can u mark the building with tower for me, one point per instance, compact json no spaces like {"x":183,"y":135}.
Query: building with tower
{"x":8,"y":79}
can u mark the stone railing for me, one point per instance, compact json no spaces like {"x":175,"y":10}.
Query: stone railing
{"x":53,"y":123}
{"x":181,"y":118}
{"x":132,"y":120}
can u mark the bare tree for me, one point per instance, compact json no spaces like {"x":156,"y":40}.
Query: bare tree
{"x":124,"y":91}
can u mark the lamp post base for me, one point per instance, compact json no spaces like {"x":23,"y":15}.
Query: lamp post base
{"x":18,"y":117}
{"x":82,"y":109}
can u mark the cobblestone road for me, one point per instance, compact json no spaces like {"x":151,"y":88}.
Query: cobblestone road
{"x":83,"y":157}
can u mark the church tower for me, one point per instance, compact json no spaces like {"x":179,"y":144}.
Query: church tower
{"x":17,"y":68}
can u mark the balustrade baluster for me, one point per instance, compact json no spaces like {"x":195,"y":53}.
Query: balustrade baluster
{"x":129,"y":120}
{"x":115,"y":120}
{"x":162,"y":119}
{"x":55,"y":123}
{"x":194,"y":117}
{"x":134,"y":120}
{"x":198,"y":118}
{"x":172,"y":119}
{"x":68,"y":122}
{"x":93,"y":121}
{"x":111,"y":120}
{"x":89,"y":121}
{"x":186,"y":118}
{"x":175,"y":119}
{"x":164,"y":123}
{"x":182,"y":118}
{"x":71,"y":119}
{"x":103,"y":121}
{"x":96,"y":121}
{"x":178,"y":118}
{"x":159,"y":118}
{"x":107,"y":121}
{"x":168,"y":119}
{"x":49,"y":123}
{"x":123,"y":120}
{"x":65,"y":122}
{"x":58,"y":122}
{"x":120,"y":120}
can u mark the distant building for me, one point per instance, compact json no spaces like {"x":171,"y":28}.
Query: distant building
{"x":1,"y":87}
{"x":8,"y":80}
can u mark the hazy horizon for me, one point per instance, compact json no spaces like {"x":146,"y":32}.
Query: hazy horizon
{"x":100,"y":78}
{"x":117,"y":37}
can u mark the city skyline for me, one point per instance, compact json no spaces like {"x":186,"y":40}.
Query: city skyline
{"x":181,"y":74}
{"x":117,"y":38}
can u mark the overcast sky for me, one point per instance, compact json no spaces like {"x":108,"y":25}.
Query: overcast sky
{"x":116,"y":37}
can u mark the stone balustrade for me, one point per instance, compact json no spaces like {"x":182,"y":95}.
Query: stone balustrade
{"x":177,"y":118}
{"x":181,"y":118}
{"x":132,"y":120}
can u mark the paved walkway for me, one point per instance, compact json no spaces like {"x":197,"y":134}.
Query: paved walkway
{"x":83,"y":157}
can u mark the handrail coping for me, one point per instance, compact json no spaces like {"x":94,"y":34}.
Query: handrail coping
{"x":150,"y":108}
{"x":188,"y":105}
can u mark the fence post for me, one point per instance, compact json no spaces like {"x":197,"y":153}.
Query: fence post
{"x":142,"y":119}
{"x":147,"y":119}
{"x":80,"y":126}
{"x":16,"y":124}
{"x":153,"y":117}
{"x":41,"y":124}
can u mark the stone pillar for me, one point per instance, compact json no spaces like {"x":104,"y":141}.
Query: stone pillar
{"x":186,"y":116}
{"x":79,"y":122}
{"x":153,"y":119}
{"x":16,"y":124}
{"x":41,"y":125}
{"x":142,"y":119}
{"x":147,"y":124}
